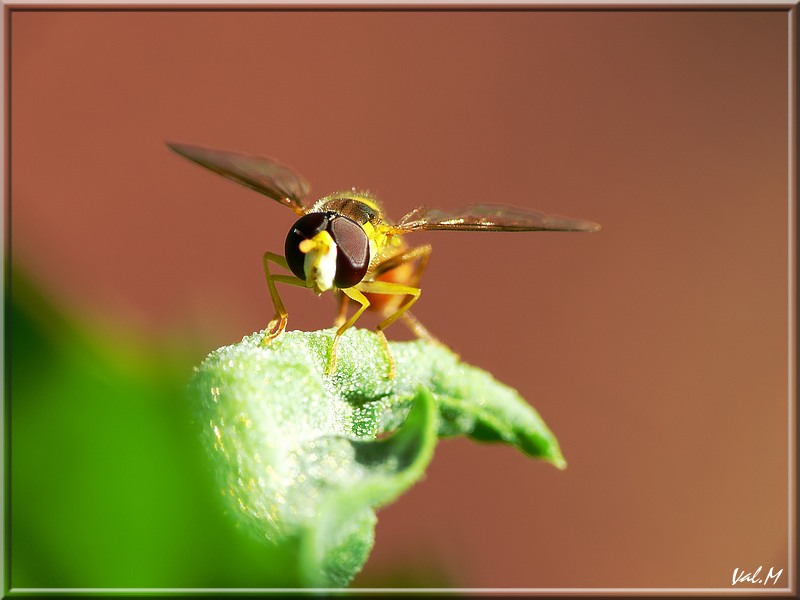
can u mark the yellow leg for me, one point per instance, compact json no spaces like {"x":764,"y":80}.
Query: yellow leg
{"x":354,"y":294}
{"x":417,"y":328}
{"x":423,"y":253}
{"x":388,"y":287}
{"x":362,"y":300}
{"x":278,"y":323}
{"x":341,"y":317}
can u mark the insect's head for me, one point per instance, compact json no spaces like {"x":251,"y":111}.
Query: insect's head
{"x":326,"y":250}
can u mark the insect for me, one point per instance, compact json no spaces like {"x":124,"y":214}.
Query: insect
{"x":345,"y":243}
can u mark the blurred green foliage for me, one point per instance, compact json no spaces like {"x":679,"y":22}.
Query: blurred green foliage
{"x":108,"y":483}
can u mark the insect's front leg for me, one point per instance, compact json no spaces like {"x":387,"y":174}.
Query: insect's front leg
{"x":354,"y":294}
{"x":420,"y":254}
{"x":341,"y":316}
{"x":395,"y":289}
{"x":278,"y":323}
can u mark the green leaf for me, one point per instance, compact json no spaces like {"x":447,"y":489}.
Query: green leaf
{"x":338,"y":544}
{"x":307,"y":457}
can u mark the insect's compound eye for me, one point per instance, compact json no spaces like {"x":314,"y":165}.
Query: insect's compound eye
{"x":352,"y":244}
{"x":352,"y":260}
{"x":305,"y":228}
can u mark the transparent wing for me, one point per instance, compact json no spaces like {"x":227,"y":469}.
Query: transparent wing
{"x":262,"y":174}
{"x":490,"y":217}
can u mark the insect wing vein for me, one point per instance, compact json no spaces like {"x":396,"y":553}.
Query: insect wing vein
{"x":262,"y":174}
{"x":490,"y":217}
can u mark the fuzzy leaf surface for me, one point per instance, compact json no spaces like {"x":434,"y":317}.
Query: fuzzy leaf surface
{"x":307,"y":458}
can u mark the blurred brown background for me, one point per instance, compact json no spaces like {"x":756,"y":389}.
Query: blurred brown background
{"x":656,"y":349}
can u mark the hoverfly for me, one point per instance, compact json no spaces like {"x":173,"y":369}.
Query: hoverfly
{"x":343,"y":242}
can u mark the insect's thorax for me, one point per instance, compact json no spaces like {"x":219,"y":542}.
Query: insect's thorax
{"x":365,"y":210}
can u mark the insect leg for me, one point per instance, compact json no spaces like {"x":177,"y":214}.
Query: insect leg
{"x":342,"y":315}
{"x":278,"y":322}
{"x":417,"y":328}
{"x":389,"y":287}
{"x":423,"y":253}
{"x":362,"y":300}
